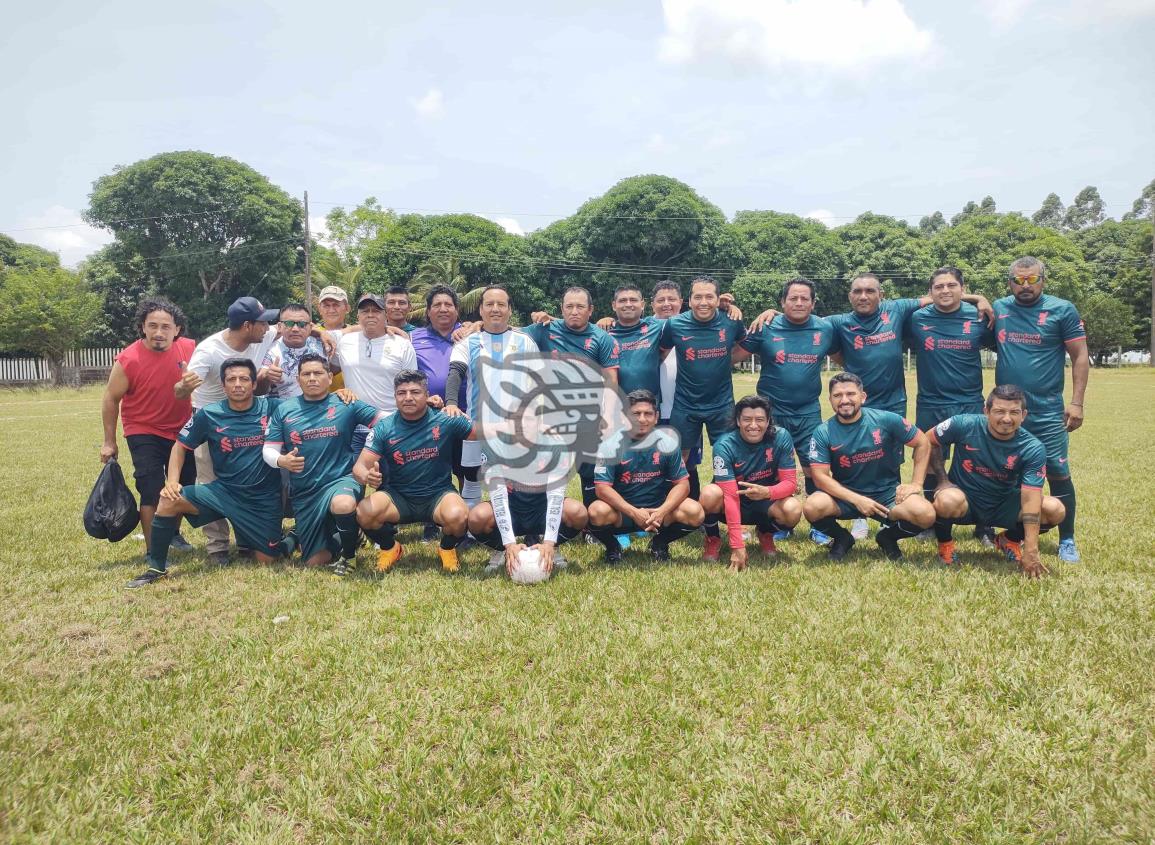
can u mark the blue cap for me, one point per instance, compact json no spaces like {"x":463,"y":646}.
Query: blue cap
{"x":249,"y":309}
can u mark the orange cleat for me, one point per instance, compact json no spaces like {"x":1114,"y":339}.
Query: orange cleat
{"x":946,"y":554}
{"x":766,"y":541}
{"x":711,"y":547}
{"x":386,"y":558}
{"x":1011,"y":548}
{"x":449,"y":562}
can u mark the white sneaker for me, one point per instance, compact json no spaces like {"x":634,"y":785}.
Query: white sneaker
{"x":860,"y":529}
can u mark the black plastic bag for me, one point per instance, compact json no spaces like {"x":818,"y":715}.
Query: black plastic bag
{"x":111,"y":513}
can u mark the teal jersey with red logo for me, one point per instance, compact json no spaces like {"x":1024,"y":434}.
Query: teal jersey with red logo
{"x":756,"y":463}
{"x":791,"y":355}
{"x":321,"y":432}
{"x":419,"y":453}
{"x":704,"y":380}
{"x":865,"y":455}
{"x":235,"y":440}
{"x":1032,"y":346}
{"x":986,"y":468}
{"x":555,"y":338}
{"x":872,"y":349}
{"x":639,"y":355}
{"x":949,"y":349}
{"x":643,"y":477}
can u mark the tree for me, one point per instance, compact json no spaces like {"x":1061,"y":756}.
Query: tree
{"x":1085,"y":211}
{"x":25,"y":256}
{"x":987,"y":206}
{"x":778,"y":247}
{"x":932,"y":223}
{"x":1109,"y":325}
{"x":1051,"y":213}
{"x":210,"y":227}
{"x":1143,"y":205}
{"x":351,"y":232}
{"x":447,"y":272}
{"x":1119,"y":256}
{"x":45,"y":311}
{"x":121,"y":280}
{"x":890,"y":248}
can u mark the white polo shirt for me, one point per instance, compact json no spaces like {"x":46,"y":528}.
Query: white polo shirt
{"x":369,"y":366}
{"x":211,"y":353}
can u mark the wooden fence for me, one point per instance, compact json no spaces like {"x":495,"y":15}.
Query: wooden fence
{"x":81,"y":366}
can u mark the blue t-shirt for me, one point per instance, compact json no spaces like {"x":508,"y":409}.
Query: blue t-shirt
{"x":792,"y":355}
{"x":704,"y":380}
{"x":418,"y":453}
{"x":986,"y":468}
{"x":322,"y":432}
{"x":235,"y":440}
{"x":949,"y":349}
{"x":643,"y":477}
{"x":555,"y":338}
{"x":871,"y":348}
{"x":640,"y":359}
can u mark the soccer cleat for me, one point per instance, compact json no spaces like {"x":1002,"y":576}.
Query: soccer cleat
{"x":946,"y":553}
{"x":660,"y":552}
{"x":779,"y":536}
{"x":986,"y":536}
{"x":613,"y":556}
{"x":146,"y":578}
{"x":559,"y":561}
{"x":431,"y":533}
{"x":449,"y":562}
{"x":496,"y":563}
{"x":219,"y":558}
{"x":466,"y":542}
{"x":766,"y":541}
{"x":1011,"y":548}
{"x":386,"y":558}
{"x":840,"y":545}
{"x":711,"y":547}
{"x":623,"y":541}
{"x":343,"y":566}
{"x":821,"y":539}
{"x":888,"y":543}
{"x":180,"y":544}
{"x":859,"y":529}
{"x":1067,"y":551}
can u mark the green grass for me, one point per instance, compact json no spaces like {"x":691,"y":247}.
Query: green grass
{"x":800,"y":701}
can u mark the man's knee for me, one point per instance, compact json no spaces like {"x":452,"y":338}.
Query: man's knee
{"x":452,"y":514}
{"x":950,"y":503}
{"x":819,"y":505}
{"x":481,"y":520}
{"x":574,"y":514}
{"x":601,"y":514}
{"x":342,"y":504}
{"x":919,"y":511}
{"x":787,"y":512}
{"x":690,"y":513}
{"x":370,"y":514}
{"x":1053,"y":511}
{"x":711,"y":498}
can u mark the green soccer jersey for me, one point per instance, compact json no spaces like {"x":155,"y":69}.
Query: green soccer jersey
{"x":322,"y":432}
{"x":791,"y":356}
{"x":865,"y":455}
{"x":704,"y":380}
{"x":756,"y":463}
{"x":235,"y":441}
{"x":1032,"y":347}
{"x":418,"y":453}
{"x":555,"y":338}
{"x":643,"y":477}
{"x":948,"y":346}
{"x":872,"y":349}
{"x":640,"y":359}
{"x":986,"y":468}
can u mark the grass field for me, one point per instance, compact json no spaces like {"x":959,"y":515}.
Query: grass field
{"x":867,"y":701}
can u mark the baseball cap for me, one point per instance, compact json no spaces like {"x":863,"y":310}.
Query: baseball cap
{"x":333,"y":292}
{"x":249,"y":308}
{"x":376,"y":298}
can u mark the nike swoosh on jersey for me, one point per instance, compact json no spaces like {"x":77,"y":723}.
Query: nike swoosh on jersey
{"x":970,"y":448}
{"x":686,"y":337}
{"x":393,"y":441}
{"x":835,"y":448}
{"x":221,"y":428}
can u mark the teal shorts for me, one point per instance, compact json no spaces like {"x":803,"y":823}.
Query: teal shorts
{"x":255,"y":517}
{"x":849,"y":511}
{"x":1002,"y":514}
{"x":688,"y":423}
{"x":1052,"y":431}
{"x":314,"y":526}
{"x":928,"y":416}
{"x":801,"y":429}
{"x":754,"y":513}
{"x":416,"y":508}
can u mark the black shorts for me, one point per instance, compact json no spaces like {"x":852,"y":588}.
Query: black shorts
{"x":150,"y":466}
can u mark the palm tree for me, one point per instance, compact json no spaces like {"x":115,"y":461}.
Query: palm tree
{"x":443,"y":271}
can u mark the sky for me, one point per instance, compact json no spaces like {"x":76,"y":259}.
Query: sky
{"x":522,"y":111}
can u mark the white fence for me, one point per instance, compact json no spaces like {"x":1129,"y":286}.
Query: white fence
{"x":15,"y":371}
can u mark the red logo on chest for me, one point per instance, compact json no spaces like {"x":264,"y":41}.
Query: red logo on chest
{"x":966,"y":326}
{"x":1011,"y":461}
{"x":398,"y":459}
{"x":1043,"y":317}
{"x":858,"y":343}
{"x":331,"y":413}
{"x":780,"y":356}
{"x":436,"y":432}
{"x":928,"y":344}
{"x":722,"y":335}
{"x":844,"y":462}
{"x":657,"y":458}
{"x":885,"y":318}
{"x":295,"y":438}
{"x":770,"y":455}
{"x":690,"y":356}
{"x":877,"y":435}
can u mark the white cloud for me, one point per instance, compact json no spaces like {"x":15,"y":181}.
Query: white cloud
{"x":510,"y":225}
{"x":319,"y":229}
{"x":659,"y":144}
{"x":63,"y":231}
{"x":432,"y":105}
{"x":823,"y":215}
{"x":837,"y":35}
{"x":1004,"y":14}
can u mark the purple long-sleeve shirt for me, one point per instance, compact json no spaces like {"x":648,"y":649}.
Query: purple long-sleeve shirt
{"x":433,"y":359}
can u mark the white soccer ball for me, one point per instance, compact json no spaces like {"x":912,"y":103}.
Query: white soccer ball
{"x":529,"y":569}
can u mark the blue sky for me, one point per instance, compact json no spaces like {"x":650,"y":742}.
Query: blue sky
{"x":523,"y":111}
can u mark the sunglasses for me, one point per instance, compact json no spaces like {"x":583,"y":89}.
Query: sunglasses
{"x":1033,"y":279}
{"x":296,"y":324}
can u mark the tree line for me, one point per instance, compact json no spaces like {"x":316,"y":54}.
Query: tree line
{"x":203,"y":229}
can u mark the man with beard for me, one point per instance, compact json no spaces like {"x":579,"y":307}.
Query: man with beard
{"x":1035,"y":332}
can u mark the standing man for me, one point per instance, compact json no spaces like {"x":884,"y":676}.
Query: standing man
{"x":333,"y":305}
{"x":278,"y":372}
{"x":855,"y":457}
{"x":417,"y":443}
{"x":996,"y":478}
{"x":244,"y":490}
{"x":1035,"y":332}
{"x":372,"y":357}
{"x":397,"y":308}
{"x":637,"y":336}
{"x":139,"y":391}
{"x":248,"y":336}
{"x":754,"y":483}
{"x":310,"y":437}
{"x":646,"y":490}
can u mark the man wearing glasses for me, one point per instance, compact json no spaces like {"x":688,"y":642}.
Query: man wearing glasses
{"x":278,"y":373}
{"x":1034,"y":333}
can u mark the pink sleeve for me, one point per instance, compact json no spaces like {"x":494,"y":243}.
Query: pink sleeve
{"x":733,"y":512}
{"x":787,"y":483}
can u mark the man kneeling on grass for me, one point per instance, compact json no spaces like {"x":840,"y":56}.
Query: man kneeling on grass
{"x":996,"y":478}
{"x":417,"y":443}
{"x":754,"y":483}
{"x":246,"y":491}
{"x":855,"y":457}
{"x":645,"y":491}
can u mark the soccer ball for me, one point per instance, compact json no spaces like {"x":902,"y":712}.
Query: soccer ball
{"x":529,"y":569}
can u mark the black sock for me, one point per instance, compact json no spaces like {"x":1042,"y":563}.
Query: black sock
{"x":348,"y":534}
{"x":1016,"y":533}
{"x":565,"y":533}
{"x":829,"y":526}
{"x":695,"y":483}
{"x":672,"y":533}
{"x":491,"y":539}
{"x":929,"y":484}
{"x":710,"y":526}
{"x":589,"y":491}
{"x":607,"y":534}
{"x":811,"y":487}
{"x":163,"y":530}
{"x":1063,"y":489}
{"x":903,"y":529}
{"x":448,"y":541}
{"x":383,"y":536}
{"x":943,"y":529}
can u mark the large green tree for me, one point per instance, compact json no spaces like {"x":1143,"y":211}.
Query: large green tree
{"x":890,"y":248}
{"x":1109,"y":325}
{"x":1086,"y":210}
{"x":121,"y":280}
{"x":1142,"y":206}
{"x":25,"y":256}
{"x":45,"y":311}
{"x":777,"y":247}
{"x":1051,"y":213}
{"x":211,"y":227}
{"x":1119,"y":256}
{"x":350,"y":232}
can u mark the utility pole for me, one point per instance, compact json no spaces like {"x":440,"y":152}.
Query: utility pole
{"x":1151,"y":363}
{"x":308,"y":260}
